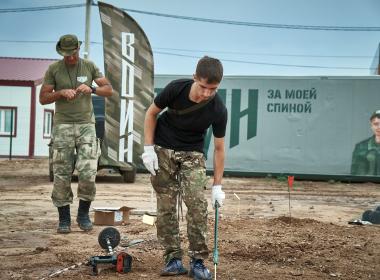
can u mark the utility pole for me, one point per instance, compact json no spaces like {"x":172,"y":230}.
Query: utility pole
{"x":87,"y":32}
{"x":11,"y":136}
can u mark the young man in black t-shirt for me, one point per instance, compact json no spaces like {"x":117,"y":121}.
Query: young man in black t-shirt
{"x":173,"y":154}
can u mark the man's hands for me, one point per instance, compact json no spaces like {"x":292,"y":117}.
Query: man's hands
{"x":70,"y":94}
{"x":84,"y":89}
{"x":217,"y":195}
{"x":150,"y":159}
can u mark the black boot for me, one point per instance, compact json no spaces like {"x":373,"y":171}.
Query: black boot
{"x":173,"y":267}
{"x":198,"y":270}
{"x":64,"y":219}
{"x":83,"y":219}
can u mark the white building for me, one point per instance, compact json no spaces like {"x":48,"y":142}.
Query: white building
{"x":21,"y":114}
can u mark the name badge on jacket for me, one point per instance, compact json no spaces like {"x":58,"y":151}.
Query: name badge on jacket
{"x":82,"y":79}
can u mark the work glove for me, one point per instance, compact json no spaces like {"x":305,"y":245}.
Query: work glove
{"x":150,"y":159}
{"x":217,"y":195}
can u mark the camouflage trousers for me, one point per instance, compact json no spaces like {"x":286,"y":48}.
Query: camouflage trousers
{"x":68,"y":139}
{"x":181,"y":173}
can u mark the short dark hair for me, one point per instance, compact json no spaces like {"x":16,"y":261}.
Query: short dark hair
{"x":375,"y":114}
{"x":209,"y":68}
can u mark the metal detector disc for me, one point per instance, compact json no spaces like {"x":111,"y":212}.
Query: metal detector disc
{"x":110,"y":233}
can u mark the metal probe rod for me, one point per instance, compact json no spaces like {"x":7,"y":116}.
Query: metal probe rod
{"x":216,"y":253}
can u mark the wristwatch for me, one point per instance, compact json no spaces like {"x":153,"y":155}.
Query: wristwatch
{"x":93,"y":89}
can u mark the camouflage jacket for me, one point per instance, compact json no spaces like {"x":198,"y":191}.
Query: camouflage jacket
{"x":366,"y":158}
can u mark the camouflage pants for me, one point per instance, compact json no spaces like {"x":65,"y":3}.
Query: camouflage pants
{"x":185,"y":173}
{"x":68,"y":138}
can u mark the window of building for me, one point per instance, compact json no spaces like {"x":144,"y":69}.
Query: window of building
{"x":48,"y":123}
{"x":8,"y":121}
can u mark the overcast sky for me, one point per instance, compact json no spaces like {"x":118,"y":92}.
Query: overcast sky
{"x":244,"y":49}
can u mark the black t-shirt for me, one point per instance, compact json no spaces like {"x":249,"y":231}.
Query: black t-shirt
{"x":187,"y":132}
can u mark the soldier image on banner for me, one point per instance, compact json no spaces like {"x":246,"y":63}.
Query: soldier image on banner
{"x":366,"y":155}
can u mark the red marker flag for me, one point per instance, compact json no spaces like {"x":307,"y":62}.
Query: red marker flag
{"x":290,"y":181}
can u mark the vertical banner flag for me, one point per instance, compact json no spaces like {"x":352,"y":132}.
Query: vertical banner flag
{"x":128,"y":64}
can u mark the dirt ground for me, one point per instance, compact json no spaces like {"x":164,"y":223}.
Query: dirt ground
{"x":257,"y":237}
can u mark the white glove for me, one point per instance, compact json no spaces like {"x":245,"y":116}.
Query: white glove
{"x":217,"y":195}
{"x":150,"y":159}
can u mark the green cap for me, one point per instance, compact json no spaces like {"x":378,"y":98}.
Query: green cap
{"x":68,"y":44}
{"x":375,"y":114}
